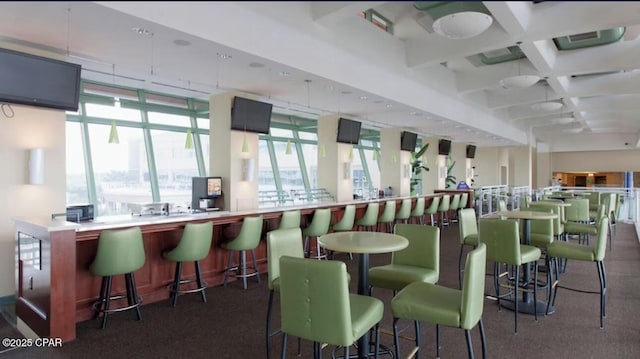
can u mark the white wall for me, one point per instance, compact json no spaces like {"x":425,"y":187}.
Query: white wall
{"x":520,"y":169}
{"x":487,"y":162}
{"x":30,"y":127}
{"x":596,"y":161}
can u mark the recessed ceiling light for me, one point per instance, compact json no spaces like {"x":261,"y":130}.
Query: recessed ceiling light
{"x":256,"y":64}
{"x":389,"y":105}
{"x":363,"y":98}
{"x":181,"y":42}
{"x":330,"y":88}
{"x":141,"y":31}
{"x":224,"y":56}
{"x":285,"y":74}
{"x":415,"y":113}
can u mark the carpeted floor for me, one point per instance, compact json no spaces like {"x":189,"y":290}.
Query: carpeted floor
{"x":232,"y":323}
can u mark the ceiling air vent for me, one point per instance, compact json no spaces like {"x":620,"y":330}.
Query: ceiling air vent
{"x":592,"y":35}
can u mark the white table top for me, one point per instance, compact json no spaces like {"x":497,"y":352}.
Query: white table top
{"x":363,"y":242}
{"x":527,"y":215}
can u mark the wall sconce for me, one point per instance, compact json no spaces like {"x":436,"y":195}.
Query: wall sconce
{"x":407,"y":171}
{"x":323,"y":150}
{"x":36,"y":166}
{"x":247,"y":169}
{"x":346,"y":170}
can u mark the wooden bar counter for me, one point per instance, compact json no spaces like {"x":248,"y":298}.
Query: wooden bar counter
{"x":58,"y":291}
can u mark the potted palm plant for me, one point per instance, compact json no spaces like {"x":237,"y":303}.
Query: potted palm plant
{"x":417,"y":167}
{"x":451,"y":179}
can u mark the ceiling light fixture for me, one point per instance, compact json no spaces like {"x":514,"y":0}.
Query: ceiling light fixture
{"x":462,"y":25}
{"x":519,"y":81}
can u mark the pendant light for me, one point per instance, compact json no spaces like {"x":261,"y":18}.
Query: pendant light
{"x":287,"y":150}
{"x":245,"y":144}
{"x":189,"y":142}
{"x":351,"y":153}
{"x":113,"y":134}
{"x":375,"y":154}
{"x":323,"y":150}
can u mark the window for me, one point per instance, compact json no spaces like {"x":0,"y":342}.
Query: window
{"x":77,"y":191}
{"x":175,"y":165}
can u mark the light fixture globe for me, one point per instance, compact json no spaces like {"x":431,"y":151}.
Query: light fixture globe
{"x":547,"y":106}
{"x":519,"y":81}
{"x":462,"y":25}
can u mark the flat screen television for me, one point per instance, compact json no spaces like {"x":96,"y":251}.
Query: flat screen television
{"x":444,"y":147}
{"x":38,"y":81}
{"x":408,"y":141}
{"x":348,"y":131}
{"x":250,"y":115}
{"x":471,"y":151}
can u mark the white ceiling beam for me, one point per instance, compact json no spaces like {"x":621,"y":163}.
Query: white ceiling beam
{"x":331,"y":12}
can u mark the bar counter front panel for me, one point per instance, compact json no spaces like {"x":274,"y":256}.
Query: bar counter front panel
{"x":159,"y":234}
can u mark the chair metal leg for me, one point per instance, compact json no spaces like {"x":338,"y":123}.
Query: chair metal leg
{"x":603,"y":291}
{"x":515,"y":295}
{"x":243,"y":268}
{"x":226,"y":272}
{"x":377,"y":340}
{"x":467,"y":334}
{"x":134,"y":292}
{"x":396,"y":341}
{"x":199,"y":281}
{"x":176,"y":284}
{"x":482,"y":339}
{"x":437,"y":340}
{"x":346,"y":351}
{"x":107,"y":299}
{"x":535,"y":290}
{"x":283,"y":353}
{"x":268,"y":331}
{"x":255,"y":264}
{"x":103,"y":289}
{"x":496,"y":281}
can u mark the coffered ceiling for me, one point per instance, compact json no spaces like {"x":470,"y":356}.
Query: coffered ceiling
{"x":319,"y":58}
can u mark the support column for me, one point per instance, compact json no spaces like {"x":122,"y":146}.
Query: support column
{"x":239,"y":170}
{"x":395,"y":166}
{"x":334,"y":168}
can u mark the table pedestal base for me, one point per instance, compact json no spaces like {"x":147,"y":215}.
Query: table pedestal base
{"x":528,"y":307}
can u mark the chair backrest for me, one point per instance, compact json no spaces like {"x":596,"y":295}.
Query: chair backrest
{"x":282,"y":242}
{"x":541,"y":230}
{"x":347,"y":220}
{"x":502,"y":205}
{"x":464,"y":200}
{"x":314,"y":300}
{"x":388,"y":213}
{"x":119,"y":251}
{"x":601,"y":242}
{"x":370,"y":217}
{"x":578,"y":211}
{"x":502,"y":239}
{"x":249,"y":235}
{"x":455,"y":202}
{"x":611,"y":201}
{"x":433,"y":207}
{"x":524,"y":202}
{"x":558,"y":222}
{"x":194,"y":244}
{"x":468,"y":224}
{"x":290,"y":219}
{"x":423,"y":249}
{"x":418,"y":210}
{"x":320,"y":223}
{"x":473,"y":287}
{"x":405,"y":209}
{"x":444,"y":203}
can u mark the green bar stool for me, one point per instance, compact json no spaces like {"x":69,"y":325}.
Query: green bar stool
{"x":418,"y":211}
{"x":468,"y":229}
{"x":443,"y":209}
{"x":290,"y":219}
{"x":453,"y":206}
{"x":388,"y":216}
{"x":432,"y":209}
{"x":247,"y":240}
{"x":404,"y":212}
{"x":345,"y":224}
{"x":194,"y":246}
{"x":120,"y":252}
{"x":370,"y":217}
{"x":319,"y":226}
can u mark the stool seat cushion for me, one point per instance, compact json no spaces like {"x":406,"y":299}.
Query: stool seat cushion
{"x":443,"y":305}
{"x":571,"y":251}
{"x":540,"y":240}
{"x":471,"y":240}
{"x":397,"y":276}
{"x":529,"y":253}
{"x":571,"y":227}
{"x":366,"y":312}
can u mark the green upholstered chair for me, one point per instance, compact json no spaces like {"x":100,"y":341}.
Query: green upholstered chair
{"x":432,"y":210}
{"x":425,"y":302}
{"x":567,"y":250}
{"x":281,"y":242}
{"x":443,"y":209}
{"x":610,"y":200}
{"x":120,"y":252}
{"x":576,"y":216}
{"x":418,"y":262}
{"x":290,"y":219}
{"x":503,"y":247}
{"x":418,"y":211}
{"x":370,"y":218}
{"x":464,"y":200}
{"x":194,"y":246}
{"x":502,"y":205}
{"x":454,"y":206}
{"x":315,"y":304}
{"x":319,"y":226}
{"x":247,"y":240}
{"x":468,"y":229}
{"x":404,"y":212}
{"x":559,"y":221}
{"x":387,"y":217}
{"x":524,"y":202}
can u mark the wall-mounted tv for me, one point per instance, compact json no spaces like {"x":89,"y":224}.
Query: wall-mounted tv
{"x":38,"y":81}
{"x":444,"y":147}
{"x":250,"y":115}
{"x":348,"y":131}
{"x":408,"y":141}
{"x":471,"y":151}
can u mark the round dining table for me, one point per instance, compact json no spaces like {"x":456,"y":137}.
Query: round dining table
{"x":363,"y":243}
{"x":526,"y":305}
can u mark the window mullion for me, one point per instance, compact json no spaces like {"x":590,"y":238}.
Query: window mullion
{"x":148,"y":144}
{"x":274,"y":165}
{"x":88,"y":162}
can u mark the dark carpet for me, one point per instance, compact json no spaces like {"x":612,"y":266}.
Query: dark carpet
{"x":232,"y":323}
